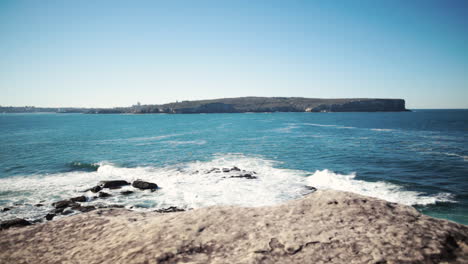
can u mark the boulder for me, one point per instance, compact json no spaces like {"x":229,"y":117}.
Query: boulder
{"x":64,"y":204}
{"x":85,"y":209}
{"x":78,"y":199}
{"x":49,"y":216}
{"x":144,"y":185}
{"x":17,"y":222}
{"x":95,"y":189}
{"x":245,"y":176}
{"x":116,"y":184}
{"x":6,"y":209}
{"x":104,"y":195}
{"x":126,"y":192}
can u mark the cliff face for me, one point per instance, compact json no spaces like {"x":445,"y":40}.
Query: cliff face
{"x":277,"y":104}
{"x":323,"y":227}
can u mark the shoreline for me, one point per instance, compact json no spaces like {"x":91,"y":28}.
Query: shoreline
{"x":324,"y":226}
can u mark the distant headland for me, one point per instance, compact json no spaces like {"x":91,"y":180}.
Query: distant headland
{"x":236,"y":105}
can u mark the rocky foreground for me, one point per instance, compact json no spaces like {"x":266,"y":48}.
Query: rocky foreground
{"x":323,"y":227}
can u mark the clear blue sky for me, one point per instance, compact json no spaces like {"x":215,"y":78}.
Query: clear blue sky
{"x":115,"y":53}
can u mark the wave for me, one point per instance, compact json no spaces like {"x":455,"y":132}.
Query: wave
{"x":192,"y":185}
{"x":189,"y":142}
{"x":84,"y":166}
{"x":334,"y":126}
{"x":382,"y":129}
{"x":326,"y":179}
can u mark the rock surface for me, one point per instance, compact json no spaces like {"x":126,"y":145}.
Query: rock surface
{"x":323,"y":227}
{"x":144,"y":185}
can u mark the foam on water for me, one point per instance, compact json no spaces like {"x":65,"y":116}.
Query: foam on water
{"x":192,"y":185}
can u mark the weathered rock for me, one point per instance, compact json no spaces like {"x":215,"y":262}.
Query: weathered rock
{"x":323,"y":227}
{"x":144,"y":185}
{"x":6,"y":209}
{"x":17,"y":222}
{"x":114,"y":184}
{"x":94,"y":189}
{"x":64,"y":204}
{"x":104,"y":195}
{"x":49,"y":216}
{"x":78,"y":199}
{"x":171,"y":209}
{"x":126,"y":192}
{"x":85,"y":209}
{"x":245,"y":176}
{"x":67,"y":211}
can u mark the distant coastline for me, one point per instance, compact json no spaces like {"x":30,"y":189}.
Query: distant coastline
{"x":235,"y":105}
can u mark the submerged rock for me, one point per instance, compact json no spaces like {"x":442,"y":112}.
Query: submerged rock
{"x":144,"y":185}
{"x":17,"y":222}
{"x":64,"y":204}
{"x":115,"y":184}
{"x":79,"y":199}
{"x":6,"y":209}
{"x":49,"y":216}
{"x":126,"y":192}
{"x":245,"y":176}
{"x":94,"y":189}
{"x":104,"y":195}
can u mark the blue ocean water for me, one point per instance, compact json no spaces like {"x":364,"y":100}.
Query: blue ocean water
{"x":416,"y":158}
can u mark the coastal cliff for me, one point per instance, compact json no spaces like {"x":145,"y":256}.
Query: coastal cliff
{"x":323,"y":227}
{"x":238,"y":105}
{"x":275,"y":104}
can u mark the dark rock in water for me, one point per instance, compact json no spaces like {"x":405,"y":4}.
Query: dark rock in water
{"x":245,"y":176}
{"x":171,"y":209}
{"x":58,"y":210}
{"x":38,"y":205}
{"x":114,"y":184}
{"x":126,"y":192}
{"x":235,"y":169}
{"x":78,"y":199}
{"x":64,"y":204}
{"x":85,"y":209}
{"x":95,"y":189}
{"x":104,"y":195}
{"x":144,"y":185}
{"x":67,"y":211}
{"x":6,"y":209}
{"x":18,"y":222}
{"x":313,"y":189}
{"x":49,"y":217}
{"x":226,"y":170}
{"x":212,"y":170}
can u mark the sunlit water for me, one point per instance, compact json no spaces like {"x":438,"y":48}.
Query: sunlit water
{"x":415,"y":158}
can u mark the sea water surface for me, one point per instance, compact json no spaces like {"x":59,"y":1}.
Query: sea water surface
{"x":417,"y":158}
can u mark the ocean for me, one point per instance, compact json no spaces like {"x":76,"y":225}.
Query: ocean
{"x":417,"y":158}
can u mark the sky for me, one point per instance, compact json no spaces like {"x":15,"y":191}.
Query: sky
{"x":117,"y":53}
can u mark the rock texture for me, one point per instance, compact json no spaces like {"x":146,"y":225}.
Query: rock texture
{"x":323,"y":227}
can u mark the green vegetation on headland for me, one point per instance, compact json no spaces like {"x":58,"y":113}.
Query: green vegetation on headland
{"x":237,"y":105}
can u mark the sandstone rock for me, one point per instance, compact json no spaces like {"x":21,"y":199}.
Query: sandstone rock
{"x":323,"y":227}
{"x":17,"y":222}
{"x":144,"y":185}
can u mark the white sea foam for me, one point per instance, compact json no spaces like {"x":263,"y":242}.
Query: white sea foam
{"x":190,"y":185}
{"x":189,"y":142}
{"x":382,"y":129}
